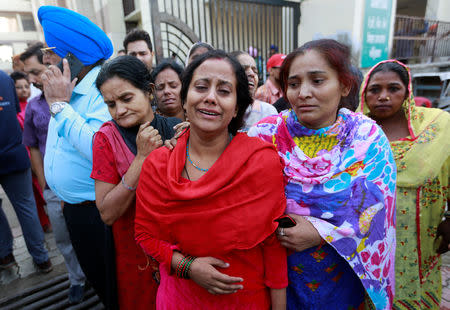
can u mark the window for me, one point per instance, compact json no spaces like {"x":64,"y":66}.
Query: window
{"x":128,"y":6}
{"x":6,"y":53}
{"x":8,"y":23}
{"x":27,"y":22}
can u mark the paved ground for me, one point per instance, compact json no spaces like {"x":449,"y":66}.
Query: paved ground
{"x":25,"y":275}
{"x":15,"y":280}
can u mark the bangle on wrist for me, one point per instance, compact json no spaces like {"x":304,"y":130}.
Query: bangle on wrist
{"x":188,"y":267}
{"x":130,"y":188}
{"x":183,"y":267}
{"x":447,"y":214}
{"x":179,"y":266}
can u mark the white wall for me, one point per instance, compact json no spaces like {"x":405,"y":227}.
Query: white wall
{"x":438,"y":9}
{"x":443,"y":12}
{"x":15,"y":6}
{"x":321,"y":18}
{"x":105,"y":14}
{"x":109,"y":12}
{"x":336,"y":19}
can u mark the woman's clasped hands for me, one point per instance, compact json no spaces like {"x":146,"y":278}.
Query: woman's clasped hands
{"x":148,"y":139}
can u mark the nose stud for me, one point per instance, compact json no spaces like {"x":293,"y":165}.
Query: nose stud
{"x":387,"y":98}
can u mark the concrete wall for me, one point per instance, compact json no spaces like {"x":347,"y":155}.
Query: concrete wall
{"x":322,"y":18}
{"x":105,"y":14}
{"x":336,"y":19}
{"x":15,"y":6}
{"x":443,"y":12}
{"x":438,"y":9}
{"x":342,"y":20}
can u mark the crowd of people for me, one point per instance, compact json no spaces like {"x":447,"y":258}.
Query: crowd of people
{"x":171,"y":187}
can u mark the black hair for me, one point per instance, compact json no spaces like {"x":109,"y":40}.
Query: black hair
{"x":243,"y":97}
{"x":351,"y":101}
{"x":137,"y":35}
{"x":198,"y":45}
{"x":128,"y":68}
{"x":18,"y":75}
{"x":401,"y":72}
{"x":33,"y":50}
{"x":167,"y":64}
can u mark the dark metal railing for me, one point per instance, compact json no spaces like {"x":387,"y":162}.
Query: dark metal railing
{"x":226,"y":24}
{"x":420,"y":38}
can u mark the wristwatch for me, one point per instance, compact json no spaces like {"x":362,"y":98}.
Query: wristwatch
{"x":57,"y":107}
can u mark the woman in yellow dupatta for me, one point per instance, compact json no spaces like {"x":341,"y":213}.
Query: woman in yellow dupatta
{"x":420,"y":141}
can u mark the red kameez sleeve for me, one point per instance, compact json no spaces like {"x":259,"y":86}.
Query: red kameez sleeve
{"x":103,"y":162}
{"x":160,"y":250}
{"x":275,"y":263}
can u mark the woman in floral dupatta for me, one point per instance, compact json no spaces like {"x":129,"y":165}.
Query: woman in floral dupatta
{"x":419,"y":138}
{"x":340,"y":177}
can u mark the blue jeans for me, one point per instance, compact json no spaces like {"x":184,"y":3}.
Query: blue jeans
{"x":62,"y":238}
{"x":18,"y":188}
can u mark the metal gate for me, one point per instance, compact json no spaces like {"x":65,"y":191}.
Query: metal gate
{"x":226,"y":24}
{"x":420,"y":38}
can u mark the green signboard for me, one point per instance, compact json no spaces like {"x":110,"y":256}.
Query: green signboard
{"x":377,"y":26}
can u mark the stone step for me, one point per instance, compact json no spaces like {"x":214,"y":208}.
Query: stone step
{"x":50,"y":295}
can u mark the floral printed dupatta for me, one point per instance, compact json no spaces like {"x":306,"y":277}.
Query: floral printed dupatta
{"x":346,"y":190}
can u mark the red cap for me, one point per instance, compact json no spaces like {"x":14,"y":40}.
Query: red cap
{"x":275,"y":61}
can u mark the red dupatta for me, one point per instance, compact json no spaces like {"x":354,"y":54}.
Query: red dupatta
{"x":233,"y":206}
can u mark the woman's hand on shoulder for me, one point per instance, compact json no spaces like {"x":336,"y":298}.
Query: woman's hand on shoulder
{"x":179,"y":128}
{"x":203,"y":272}
{"x":147,"y":140}
{"x":300,"y":237}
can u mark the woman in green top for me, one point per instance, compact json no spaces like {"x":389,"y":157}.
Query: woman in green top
{"x":419,"y":138}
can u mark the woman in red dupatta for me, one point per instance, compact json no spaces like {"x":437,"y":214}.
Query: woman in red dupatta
{"x":206,"y":209}
{"x":120,"y":147}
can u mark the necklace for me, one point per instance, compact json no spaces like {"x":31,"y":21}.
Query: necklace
{"x":189,"y":158}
